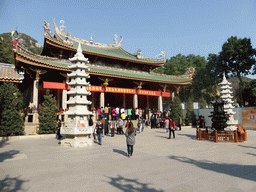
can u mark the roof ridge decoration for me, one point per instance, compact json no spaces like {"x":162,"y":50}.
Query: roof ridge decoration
{"x":19,"y":47}
{"x":68,"y":39}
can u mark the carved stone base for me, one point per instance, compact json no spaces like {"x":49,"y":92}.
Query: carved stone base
{"x":77,"y":141}
{"x":231,"y":125}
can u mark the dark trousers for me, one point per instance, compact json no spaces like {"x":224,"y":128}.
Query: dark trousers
{"x":106,"y":127}
{"x":112,"y":132}
{"x":130,"y":149}
{"x":58,"y":133}
{"x":180,"y":127}
{"x":171,"y":131}
{"x":120,"y":130}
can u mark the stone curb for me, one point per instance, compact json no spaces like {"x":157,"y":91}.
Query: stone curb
{"x":14,"y":138}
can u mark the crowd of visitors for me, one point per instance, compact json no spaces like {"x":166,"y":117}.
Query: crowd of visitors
{"x":115,"y":120}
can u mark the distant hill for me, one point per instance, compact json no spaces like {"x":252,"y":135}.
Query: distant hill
{"x":6,"y":46}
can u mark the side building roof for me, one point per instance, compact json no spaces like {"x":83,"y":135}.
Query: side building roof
{"x":8,"y":73}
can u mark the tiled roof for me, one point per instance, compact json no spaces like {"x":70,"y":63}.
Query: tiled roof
{"x":9,"y":74}
{"x":104,"y":70}
{"x":47,"y":61}
{"x":139,"y":74}
{"x":114,"y":52}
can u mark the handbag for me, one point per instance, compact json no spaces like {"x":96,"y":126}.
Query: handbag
{"x":139,"y":124}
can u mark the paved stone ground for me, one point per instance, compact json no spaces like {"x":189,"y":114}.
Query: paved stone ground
{"x":158,"y":164}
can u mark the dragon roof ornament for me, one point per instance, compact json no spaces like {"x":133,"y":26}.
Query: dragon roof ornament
{"x":67,"y":38}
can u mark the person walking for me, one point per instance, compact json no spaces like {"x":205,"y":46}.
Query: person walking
{"x":91,"y":123}
{"x":204,"y":122}
{"x":58,"y":129}
{"x":119,"y":125}
{"x":130,"y":134}
{"x":123,"y":116}
{"x":106,"y":112}
{"x":166,"y":124}
{"x":180,"y":122}
{"x":129,"y":113}
{"x":99,"y":113}
{"x":112,"y":126}
{"x":99,"y":131}
{"x":113,"y":114}
{"x":128,"y":121}
{"x":172,"y":128}
{"x":117,"y":112}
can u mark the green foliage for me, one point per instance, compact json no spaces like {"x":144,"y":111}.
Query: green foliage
{"x":6,"y":53}
{"x":178,"y":64}
{"x":6,"y":47}
{"x":47,"y":116}
{"x":176,"y":109}
{"x":190,"y":115}
{"x":203,"y":102}
{"x":11,"y":102}
{"x":236,"y":57}
{"x":249,"y":92}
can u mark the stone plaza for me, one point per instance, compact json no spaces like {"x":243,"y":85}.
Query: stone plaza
{"x":40,"y":163}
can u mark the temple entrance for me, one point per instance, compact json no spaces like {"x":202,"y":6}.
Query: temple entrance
{"x":114,"y":99}
{"x":128,"y":101}
{"x":142,"y":101}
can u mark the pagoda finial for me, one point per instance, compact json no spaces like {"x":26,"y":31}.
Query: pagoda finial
{"x":79,"y":54}
{"x":224,"y":77}
{"x":91,"y":39}
{"x":79,"y":49}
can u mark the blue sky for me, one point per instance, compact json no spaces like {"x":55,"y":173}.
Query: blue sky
{"x":195,"y":27}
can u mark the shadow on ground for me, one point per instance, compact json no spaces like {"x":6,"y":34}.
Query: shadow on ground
{"x":190,"y":136}
{"x":120,"y":152}
{"x":247,"y":146}
{"x":11,"y":184}
{"x":165,"y":137}
{"x":8,"y":155}
{"x":241,"y":171}
{"x":3,"y":141}
{"x":127,"y":185}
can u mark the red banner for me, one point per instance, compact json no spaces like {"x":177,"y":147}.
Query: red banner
{"x":166,"y":94}
{"x":64,"y":86}
{"x":149,"y":92}
{"x":95,"y":88}
{"x":55,"y":85}
{"x":120,"y":90}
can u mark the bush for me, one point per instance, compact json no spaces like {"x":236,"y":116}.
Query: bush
{"x":190,"y":115}
{"x":11,"y":103}
{"x":176,"y":109}
{"x":47,"y":116}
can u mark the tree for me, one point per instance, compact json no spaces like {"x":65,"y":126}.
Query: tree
{"x":249,"y":92}
{"x":190,"y":115}
{"x":203,"y":102}
{"x":176,"y":109}
{"x":237,"y":57}
{"x":47,"y":116}
{"x":11,"y":103}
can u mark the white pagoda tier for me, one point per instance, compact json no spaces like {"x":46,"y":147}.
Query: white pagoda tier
{"x":226,"y":96}
{"x":77,"y":131}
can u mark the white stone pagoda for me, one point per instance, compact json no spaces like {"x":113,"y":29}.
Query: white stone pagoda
{"x":77,"y":131}
{"x":226,"y":96}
